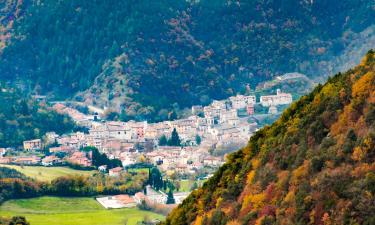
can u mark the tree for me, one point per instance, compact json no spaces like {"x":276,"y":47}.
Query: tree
{"x":177,"y":185}
{"x":170,"y":198}
{"x":99,"y":159}
{"x":145,"y":191}
{"x":175,"y":139}
{"x":198,"y":139}
{"x":194,"y":186}
{"x":163,"y":140}
{"x":349,"y":143}
{"x":123,"y":116}
{"x":172,"y":115}
{"x":156,"y":179}
{"x":19,"y":220}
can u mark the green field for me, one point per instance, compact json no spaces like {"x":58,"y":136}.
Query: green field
{"x":185,"y":185}
{"x":68,"y":211}
{"x":47,"y":173}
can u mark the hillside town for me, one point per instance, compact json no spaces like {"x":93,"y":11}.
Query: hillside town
{"x":225,"y":125}
{"x":188,"y":148}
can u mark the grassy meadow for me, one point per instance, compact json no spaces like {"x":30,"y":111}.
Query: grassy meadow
{"x":67,"y":211}
{"x":186,"y":185}
{"x":47,"y":173}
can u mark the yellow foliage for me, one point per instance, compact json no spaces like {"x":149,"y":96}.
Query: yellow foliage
{"x":371,"y":98}
{"x":342,"y":123}
{"x":200,"y":206}
{"x":300,"y":173}
{"x":362,"y":86}
{"x":218,"y":202}
{"x":246,"y":202}
{"x":312,"y":216}
{"x":100,"y":188}
{"x":316,"y":100}
{"x":359,"y":154}
{"x":293,"y":126}
{"x":282,"y":179}
{"x":250,"y":177}
{"x":258,"y":200}
{"x":237,"y":178}
{"x":328,"y":90}
{"x":234,"y":222}
{"x":364,"y":61}
{"x":142,"y":158}
{"x":368,"y":143}
{"x":255,"y":163}
{"x":198,"y":220}
{"x":290,"y":197}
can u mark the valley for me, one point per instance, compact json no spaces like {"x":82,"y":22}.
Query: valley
{"x":187,"y":112}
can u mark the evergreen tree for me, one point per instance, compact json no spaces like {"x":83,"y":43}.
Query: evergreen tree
{"x":198,"y":139}
{"x":145,"y":191}
{"x":175,"y":139}
{"x":149,"y":177}
{"x":156,"y":179}
{"x":123,"y":116}
{"x":165,"y":185}
{"x":163,"y":140}
{"x":170,"y":198}
{"x":194,"y":186}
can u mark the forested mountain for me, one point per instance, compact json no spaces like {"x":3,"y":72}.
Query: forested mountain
{"x":9,"y":11}
{"x":147,"y":58}
{"x":315,"y":165}
{"x":22,"y":118}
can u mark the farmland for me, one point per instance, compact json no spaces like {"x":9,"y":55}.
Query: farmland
{"x":42,"y":173}
{"x":78,"y":211}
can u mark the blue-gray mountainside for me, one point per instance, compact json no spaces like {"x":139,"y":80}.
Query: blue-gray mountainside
{"x":147,"y":59}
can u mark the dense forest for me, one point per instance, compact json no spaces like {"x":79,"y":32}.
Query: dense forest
{"x":315,"y":165}
{"x":22,"y":118}
{"x":147,"y":59}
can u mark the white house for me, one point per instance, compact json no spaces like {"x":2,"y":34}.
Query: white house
{"x":278,"y":99}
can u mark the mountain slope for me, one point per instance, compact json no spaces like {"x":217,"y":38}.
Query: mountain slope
{"x":148,"y":57}
{"x":22,"y":118}
{"x":315,"y":165}
{"x":9,"y":11}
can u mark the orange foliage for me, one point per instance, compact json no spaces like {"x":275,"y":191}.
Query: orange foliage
{"x":361,"y":88}
{"x":361,"y":170}
{"x":343,"y":123}
{"x":198,"y":220}
{"x":234,"y":222}
{"x":253,"y":202}
{"x":290,"y":197}
{"x":359,"y":153}
{"x":259,"y":221}
{"x":360,"y":127}
{"x":300,"y":173}
{"x":326,"y":219}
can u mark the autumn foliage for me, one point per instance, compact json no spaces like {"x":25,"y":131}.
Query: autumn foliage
{"x":315,"y":165}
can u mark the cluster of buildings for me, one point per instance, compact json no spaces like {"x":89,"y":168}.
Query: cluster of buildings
{"x":220,"y":124}
{"x":183,"y":160}
{"x":151,"y":197}
{"x":72,"y":156}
